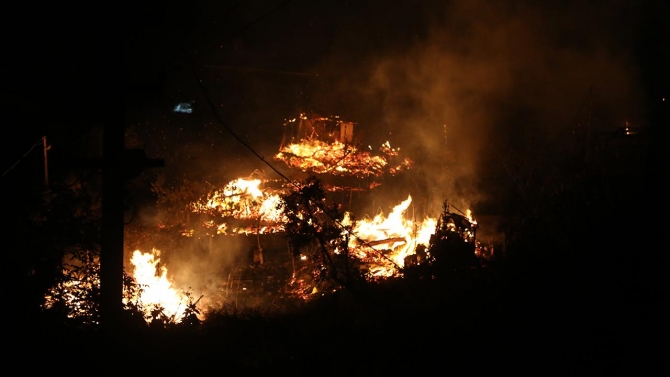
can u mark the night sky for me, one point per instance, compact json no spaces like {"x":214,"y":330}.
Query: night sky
{"x":457,"y":86}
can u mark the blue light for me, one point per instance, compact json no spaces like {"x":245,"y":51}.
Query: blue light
{"x":183,"y":107}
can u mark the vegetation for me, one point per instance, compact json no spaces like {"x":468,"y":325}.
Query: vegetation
{"x":315,"y":227}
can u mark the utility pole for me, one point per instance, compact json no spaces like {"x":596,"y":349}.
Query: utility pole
{"x":46,"y":161}
{"x":119,"y":88}
{"x":118,"y":164}
{"x":111,"y":249}
{"x":588,"y":128}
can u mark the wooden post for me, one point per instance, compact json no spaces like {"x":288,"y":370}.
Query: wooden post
{"x":111,"y":250}
{"x":46,"y":161}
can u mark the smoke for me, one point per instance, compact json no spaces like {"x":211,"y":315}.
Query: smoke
{"x":457,"y":85}
{"x":200,"y":266}
{"x":207,"y":269}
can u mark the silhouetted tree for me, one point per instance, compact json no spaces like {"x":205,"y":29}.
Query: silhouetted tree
{"x":314,"y":227}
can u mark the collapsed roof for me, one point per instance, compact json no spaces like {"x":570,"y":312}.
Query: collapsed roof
{"x":327,"y":145}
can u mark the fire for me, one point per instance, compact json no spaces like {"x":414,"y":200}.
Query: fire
{"x":157,"y":291}
{"x":251,"y":205}
{"x":156,"y":295}
{"x":72,"y":294}
{"x":338,"y":158}
{"x":385,"y":242}
{"x":327,"y":145}
{"x":242,"y":199}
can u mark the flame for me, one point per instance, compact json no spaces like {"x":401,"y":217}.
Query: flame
{"x":382,"y":242}
{"x":328,"y":145}
{"x":385,"y":242}
{"x":243,"y":199}
{"x":337,"y":158}
{"x":249,"y":206}
{"x":158,"y":291}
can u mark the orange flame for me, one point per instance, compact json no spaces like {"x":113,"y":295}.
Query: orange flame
{"x":157,"y":290}
{"x":338,"y":158}
{"x":386,"y":241}
{"x":243,"y":199}
{"x":156,"y":293}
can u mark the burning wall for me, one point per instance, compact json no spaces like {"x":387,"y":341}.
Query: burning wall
{"x":314,"y":127}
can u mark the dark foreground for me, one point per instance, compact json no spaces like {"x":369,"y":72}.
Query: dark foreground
{"x":475,"y":322}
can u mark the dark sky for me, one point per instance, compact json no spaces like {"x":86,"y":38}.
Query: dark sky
{"x":447,"y":81}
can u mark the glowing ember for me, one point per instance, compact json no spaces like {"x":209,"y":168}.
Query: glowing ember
{"x":157,"y":291}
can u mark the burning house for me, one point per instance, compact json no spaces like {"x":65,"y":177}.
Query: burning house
{"x":328,"y":148}
{"x":313,"y":127}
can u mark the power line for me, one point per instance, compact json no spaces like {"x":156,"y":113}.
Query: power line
{"x":22,"y":157}
{"x":209,"y":100}
{"x":294,"y":184}
{"x":218,"y":119}
{"x":214,"y":110}
{"x":259,"y":70}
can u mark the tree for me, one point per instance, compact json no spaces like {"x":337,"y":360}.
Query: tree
{"x":315,"y":228}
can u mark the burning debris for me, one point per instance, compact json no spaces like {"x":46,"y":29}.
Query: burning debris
{"x":328,"y":247}
{"x":256,"y":211}
{"x":244,"y":206}
{"x":312,"y":144}
{"x":326,"y":145}
{"x":385,"y":242}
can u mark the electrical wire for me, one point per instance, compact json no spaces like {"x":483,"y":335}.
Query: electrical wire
{"x":205,"y":93}
{"x":215,"y":113}
{"x":22,"y":157}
